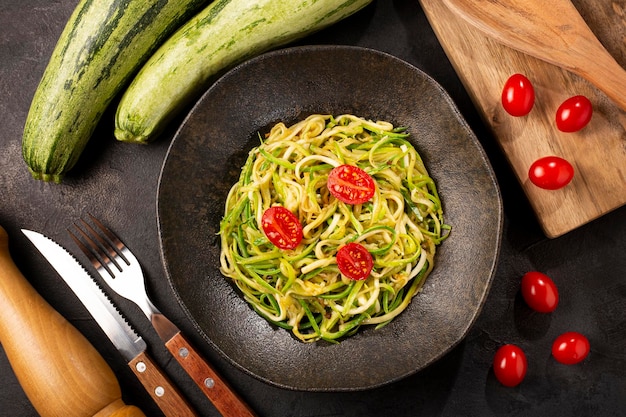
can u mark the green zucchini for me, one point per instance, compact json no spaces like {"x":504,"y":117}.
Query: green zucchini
{"x":225,"y":33}
{"x":101,"y":47}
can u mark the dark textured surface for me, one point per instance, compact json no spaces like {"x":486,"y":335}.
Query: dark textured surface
{"x":118,"y":183}
{"x":203,"y":163}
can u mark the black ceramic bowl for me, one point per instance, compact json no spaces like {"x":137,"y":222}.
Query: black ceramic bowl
{"x":204,"y":161}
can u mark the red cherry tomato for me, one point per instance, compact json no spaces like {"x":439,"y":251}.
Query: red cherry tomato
{"x":518,"y":95}
{"x":570,"y":348}
{"x":551,"y":172}
{"x":281,"y":227}
{"x":509,"y":365}
{"x":574,"y":114}
{"x":351,"y":184}
{"x":539,"y":292}
{"x":354,"y":261}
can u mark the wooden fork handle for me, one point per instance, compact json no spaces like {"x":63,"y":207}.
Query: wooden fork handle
{"x":225,"y":400}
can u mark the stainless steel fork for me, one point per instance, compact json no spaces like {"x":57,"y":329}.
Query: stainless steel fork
{"x":120,"y":269}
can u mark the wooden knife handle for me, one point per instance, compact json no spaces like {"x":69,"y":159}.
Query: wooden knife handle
{"x":160,"y":388}
{"x":62,"y":374}
{"x":225,"y":400}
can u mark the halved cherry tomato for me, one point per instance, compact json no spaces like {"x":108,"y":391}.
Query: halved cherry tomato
{"x":351,"y":184}
{"x":539,"y":292}
{"x":509,"y":365}
{"x":551,"y":172}
{"x":574,"y":114}
{"x":281,"y":227}
{"x":570,"y":348}
{"x":518,"y":95}
{"x":354,"y":261}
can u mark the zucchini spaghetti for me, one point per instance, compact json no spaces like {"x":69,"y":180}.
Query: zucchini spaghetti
{"x":302,"y":287}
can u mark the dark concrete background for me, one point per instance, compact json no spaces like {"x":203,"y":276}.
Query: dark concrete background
{"x":117,"y":182}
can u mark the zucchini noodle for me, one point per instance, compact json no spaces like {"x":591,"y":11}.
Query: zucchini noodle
{"x":302,"y":289}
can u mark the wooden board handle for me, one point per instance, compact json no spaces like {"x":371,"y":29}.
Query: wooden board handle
{"x":225,"y":400}
{"x":62,"y":374}
{"x":160,"y":388}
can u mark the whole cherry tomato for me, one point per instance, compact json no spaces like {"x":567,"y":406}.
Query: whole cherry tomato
{"x":518,"y":95}
{"x":539,"y":292}
{"x":354,"y":261}
{"x":570,"y":348}
{"x":509,"y":365}
{"x":574,"y":114}
{"x":551,"y":172}
{"x":351,"y":184}
{"x":281,"y":227}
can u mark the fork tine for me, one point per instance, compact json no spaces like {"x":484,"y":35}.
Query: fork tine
{"x":102,"y":247}
{"x":116,"y":243}
{"x":98,"y":243}
{"x":95,"y":261}
{"x":96,"y":256}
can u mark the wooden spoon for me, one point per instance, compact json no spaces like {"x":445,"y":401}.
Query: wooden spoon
{"x":552,"y":31}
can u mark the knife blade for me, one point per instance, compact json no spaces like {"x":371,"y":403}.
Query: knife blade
{"x":131,"y":346}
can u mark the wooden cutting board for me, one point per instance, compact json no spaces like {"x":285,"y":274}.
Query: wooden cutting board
{"x":597,"y":152}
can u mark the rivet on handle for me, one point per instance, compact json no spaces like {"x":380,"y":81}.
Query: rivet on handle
{"x":183,"y":352}
{"x":141,"y":367}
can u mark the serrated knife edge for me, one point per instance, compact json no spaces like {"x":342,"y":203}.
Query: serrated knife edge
{"x":97,"y":302}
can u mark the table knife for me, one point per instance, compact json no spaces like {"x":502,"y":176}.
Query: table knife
{"x":131,"y":346}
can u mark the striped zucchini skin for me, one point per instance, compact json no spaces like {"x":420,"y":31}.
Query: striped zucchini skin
{"x":101,"y":47}
{"x":225,"y":33}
